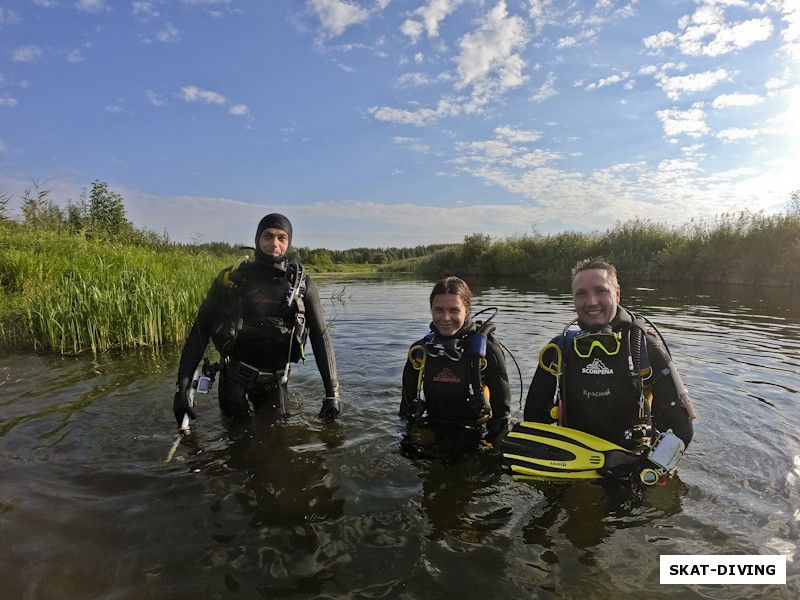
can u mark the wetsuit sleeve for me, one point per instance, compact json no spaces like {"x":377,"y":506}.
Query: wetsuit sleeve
{"x":409,"y":393}
{"x":195,"y":345}
{"x":320,"y":339}
{"x":668,"y":411}
{"x":539,"y":401}
{"x":499,"y":393}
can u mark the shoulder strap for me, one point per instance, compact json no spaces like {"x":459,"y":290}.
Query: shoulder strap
{"x":232,"y":276}
{"x":296,"y":277}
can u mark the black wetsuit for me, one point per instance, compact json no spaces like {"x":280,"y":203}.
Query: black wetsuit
{"x":601,"y":396}
{"x":446,"y":386}
{"x":255,"y":350}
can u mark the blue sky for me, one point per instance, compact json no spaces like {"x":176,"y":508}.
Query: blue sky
{"x":402,"y":122}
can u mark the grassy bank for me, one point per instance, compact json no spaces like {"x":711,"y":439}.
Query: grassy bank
{"x":69,"y":293}
{"x":65,"y":293}
{"x":739,"y":248}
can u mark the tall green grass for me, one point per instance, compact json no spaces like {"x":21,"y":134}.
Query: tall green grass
{"x":64,"y":293}
{"x":749,"y":248}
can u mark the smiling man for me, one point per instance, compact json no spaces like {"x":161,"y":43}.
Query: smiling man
{"x":612,"y":378}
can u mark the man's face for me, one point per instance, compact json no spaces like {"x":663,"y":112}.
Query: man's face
{"x":274,"y":242}
{"x":595,"y":297}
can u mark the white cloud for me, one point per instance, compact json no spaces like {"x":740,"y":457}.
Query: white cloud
{"x":75,"y":56}
{"x":192,"y":93}
{"x":547,"y":89}
{"x":659,"y":41}
{"x":336,"y":16}
{"x":679,"y":85}
{"x":169,"y":34}
{"x":8,"y":16}
{"x":735,"y":134}
{"x":706,"y":32}
{"x":791,"y":33}
{"x":239,"y":110}
{"x":27,"y":54}
{"x":683,"y":122}
{"x":606,"y":81}
{"x":155,"y":99}
{"x":775,"y":83}
{"x":205,"y":2}
{"x":8,"y":101}
{"x":144,"y":11}
{"x":427,"y":18}
{"x":419,"y":117}
{"x":727,"y":100}
{"x":489,"y":60}
{"x":92,"y":6}
{"x":412,"y":80}
{"x":517,"y":136}
{"x":413,"y":144}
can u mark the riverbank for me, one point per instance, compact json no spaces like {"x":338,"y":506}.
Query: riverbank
{"x":69,"y":293}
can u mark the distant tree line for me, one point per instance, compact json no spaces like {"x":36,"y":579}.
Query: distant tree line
{"x":99,"y":213}
{"x":743,"y":247}
{"x":362,"y":256}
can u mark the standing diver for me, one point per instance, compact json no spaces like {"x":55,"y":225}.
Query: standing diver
{"x":259,"y":314}
{"x":455,"y":380}
{"x":613,"y":379}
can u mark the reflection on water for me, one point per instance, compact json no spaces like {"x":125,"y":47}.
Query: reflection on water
{"x":91,"y":508}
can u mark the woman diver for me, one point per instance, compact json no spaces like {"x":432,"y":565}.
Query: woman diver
{"x":455,"y":382}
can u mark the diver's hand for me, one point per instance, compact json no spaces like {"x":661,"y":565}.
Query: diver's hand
{"x":181,"y":405}
{"x":330,"y":408}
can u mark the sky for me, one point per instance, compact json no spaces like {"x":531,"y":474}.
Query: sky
{"x":394,"y":123}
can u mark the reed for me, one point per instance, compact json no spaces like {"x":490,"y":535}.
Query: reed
{"x":65,"y":293}
{"x":751,"y":248}
{"x":68,"y":294}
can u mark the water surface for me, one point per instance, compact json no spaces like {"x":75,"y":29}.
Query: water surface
{"x":91,"y":508}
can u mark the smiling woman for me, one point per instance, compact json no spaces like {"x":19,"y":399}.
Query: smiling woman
{"x":455,"y":383}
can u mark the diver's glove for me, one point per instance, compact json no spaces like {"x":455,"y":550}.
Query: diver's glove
{"x":330,"y":408}
{"x":182,"y":405}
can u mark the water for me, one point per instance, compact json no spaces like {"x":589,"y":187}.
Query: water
{"x":91,"y":508}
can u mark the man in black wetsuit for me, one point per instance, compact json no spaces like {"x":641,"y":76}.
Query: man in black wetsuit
{"x":617,"y":378}
{"x":259,"y":314}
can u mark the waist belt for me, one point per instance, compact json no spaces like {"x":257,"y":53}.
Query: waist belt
{"x":250,"y":376}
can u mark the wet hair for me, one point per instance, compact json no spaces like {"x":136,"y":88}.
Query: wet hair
{"x":597,"y":262}
{"x":453,"y":285}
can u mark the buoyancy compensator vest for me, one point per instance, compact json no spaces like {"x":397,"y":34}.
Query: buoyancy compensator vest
{"x":263,"y":319}
{"x":450,"y":385}
{"x":603,"y":391}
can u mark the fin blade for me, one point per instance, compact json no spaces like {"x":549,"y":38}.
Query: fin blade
{"x":532,"y":450}
{"x":566,"y":433}
{"x":525,"y":473}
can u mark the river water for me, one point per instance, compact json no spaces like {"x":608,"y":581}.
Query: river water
{"x":100,"y":499}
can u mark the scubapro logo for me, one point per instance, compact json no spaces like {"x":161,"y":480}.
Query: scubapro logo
{"x":596,"y":368}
